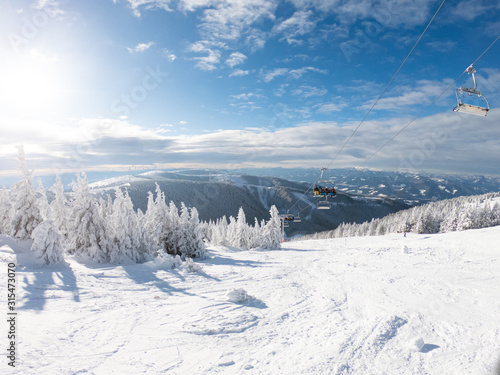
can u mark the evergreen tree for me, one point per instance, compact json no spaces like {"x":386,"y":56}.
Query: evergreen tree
{"x":88,"y":235}
{"x":59,"y":209}
{"x":127,"y":240}
{"x":25,"y":212}
{"x":48,"y":243}
{"x":5,"y":211}
{"x":242,"y":233}
{"x":43,"y":203}
{"x":272,"y":231}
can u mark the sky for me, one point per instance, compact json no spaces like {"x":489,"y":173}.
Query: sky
{"x":111,"y":84}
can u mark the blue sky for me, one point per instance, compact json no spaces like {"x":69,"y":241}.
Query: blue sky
{"x":103,"y":84}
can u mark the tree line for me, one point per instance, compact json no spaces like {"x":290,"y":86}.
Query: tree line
{"x":462,"y":213}
{"x":111,"y":231}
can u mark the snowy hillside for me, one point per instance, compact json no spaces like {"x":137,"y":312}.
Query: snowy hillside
{"x":424,"y":304}
{"x":414,"y":187}
{"x":217,"y":194}
{"x":462,"y":213}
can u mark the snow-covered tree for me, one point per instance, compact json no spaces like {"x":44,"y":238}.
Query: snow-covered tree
{"x":172,"y":229}
{"x":48,"y":243}
{"x":272,"y":231}
{"x":25,"y":212}
{"x":59,"y":208}
{"x":87,"y":227}
{"x":231,"y":232}
{"x":127,"y":242}
{"x":197,"y":247}
{"x":43,"y":202}
{"x":242,"y":232}
{"x":5,"y":211}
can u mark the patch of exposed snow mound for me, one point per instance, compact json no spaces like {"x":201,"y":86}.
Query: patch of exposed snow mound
{"x":418,"y":344}
{"x":191,"y":266}
{"x":165,"y":261}
{"x":239,"y":296}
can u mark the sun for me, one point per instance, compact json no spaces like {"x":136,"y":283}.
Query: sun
{"x":32,"y":84}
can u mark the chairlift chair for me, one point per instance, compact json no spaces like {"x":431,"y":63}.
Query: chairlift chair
{"x":477,"y":103}
{"x":324,"y":205}
{"x":291,"y":218}
{"x":324,"y":191}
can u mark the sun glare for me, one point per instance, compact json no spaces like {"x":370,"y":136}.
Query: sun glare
{"x":33,"y":84}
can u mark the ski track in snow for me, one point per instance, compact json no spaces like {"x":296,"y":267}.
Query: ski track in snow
{"x":341,"y":306}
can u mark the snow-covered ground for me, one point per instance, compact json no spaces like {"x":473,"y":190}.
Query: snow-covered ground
{"x":424,"y":304}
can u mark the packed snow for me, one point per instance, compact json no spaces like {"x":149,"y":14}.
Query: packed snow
{"x":420,"y":304}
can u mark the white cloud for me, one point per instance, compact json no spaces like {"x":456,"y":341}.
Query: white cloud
{"x":257,"y":39}
{"x":297,"y":73}
{"x":330,"y":107}
{"x":148,"y":5}
{"x":236,"y":58}
{"x":471,"y":9}
{"x":141,"y":47}
{"x":210,"y":60}
{"x":228,"y":20}
{"x":443,"y":46}
{"x":393,"y":13}
{"x":269,"y":76}
{"x":192,"y":5}
{"x":52,"y":7}
{"x":169,"y":55}
{"x":239,"y":73}
{"x":308,"y":91}
{"x":293,"y":73}
{"x":447,"y":141}
{"x":424,"y":93}
{"x":297,"y":25}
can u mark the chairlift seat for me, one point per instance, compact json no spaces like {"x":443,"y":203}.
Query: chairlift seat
{"x":470,"y":100}
{"x":324,"y":205}
{"x":471,"y":109}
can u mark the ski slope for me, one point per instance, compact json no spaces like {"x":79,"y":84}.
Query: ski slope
{"x":424,"y":304}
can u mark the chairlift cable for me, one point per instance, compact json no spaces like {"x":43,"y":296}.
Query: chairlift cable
{"x":425,"y":109}
{"x":373,"y":105}
{"x":387,"y":86}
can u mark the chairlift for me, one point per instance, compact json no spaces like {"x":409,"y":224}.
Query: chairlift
{"x":326,"y":192}
{"x":291,"y":218}
{"x":470,"y":100}
{"x":324,"y":204}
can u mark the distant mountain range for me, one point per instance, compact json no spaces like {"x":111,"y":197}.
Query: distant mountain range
{"x":363,"y":194}
{"x":413,"y":188}
{"x":216,"y":194}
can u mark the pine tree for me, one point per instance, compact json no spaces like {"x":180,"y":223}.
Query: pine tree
{"x":88,"y":235}
{"x":242,"y":235}
{"x":182,"y":233}
{"x":231,"y":232}
{"x":272,"y":230}
{"x":59,"y":209}
{"x":126,"y":237}
{"x":43,"y":202}
{"x":198,"y":248}
{"x":25,"y":212}
{"x":172,"y":229}
{"x":5,"y":211}
{"x":48,"y":243}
